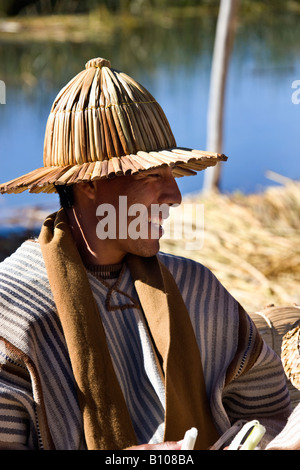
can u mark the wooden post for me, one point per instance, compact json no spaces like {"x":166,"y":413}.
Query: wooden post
{"x":221,"y":55}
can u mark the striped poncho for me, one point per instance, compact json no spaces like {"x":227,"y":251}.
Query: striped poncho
{"x":37,"y":390}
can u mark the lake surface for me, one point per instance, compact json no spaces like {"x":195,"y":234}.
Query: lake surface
{"x":261,"y":129}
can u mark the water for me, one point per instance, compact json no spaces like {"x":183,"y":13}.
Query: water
{"x":261,"y":129}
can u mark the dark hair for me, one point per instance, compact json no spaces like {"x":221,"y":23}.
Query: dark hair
{"x":66,"y":195}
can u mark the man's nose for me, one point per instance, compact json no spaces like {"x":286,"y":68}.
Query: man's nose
{"x":172,"y":194}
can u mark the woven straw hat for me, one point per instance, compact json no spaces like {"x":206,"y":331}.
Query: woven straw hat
{"x":103,"y":123}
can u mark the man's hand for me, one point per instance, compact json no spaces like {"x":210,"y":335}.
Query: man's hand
{"x":162,"y":446}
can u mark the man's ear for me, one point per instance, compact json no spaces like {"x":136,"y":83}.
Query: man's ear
{"x":87,"y":190}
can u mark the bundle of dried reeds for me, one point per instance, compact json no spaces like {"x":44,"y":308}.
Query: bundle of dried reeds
{"x":251,"y":243}
{"x":291,"y":355}
{"x":103,"y":123}
{"x":279,"y":327}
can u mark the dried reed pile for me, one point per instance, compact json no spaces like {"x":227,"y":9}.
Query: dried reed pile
{"x":251,"y":243}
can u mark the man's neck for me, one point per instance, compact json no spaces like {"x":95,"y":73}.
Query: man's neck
{"x":106,"y":271}
{"x":94,"y":252}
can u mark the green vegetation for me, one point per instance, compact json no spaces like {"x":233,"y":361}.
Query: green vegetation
{"x":137,"y":7}
{"x":15,"y":7}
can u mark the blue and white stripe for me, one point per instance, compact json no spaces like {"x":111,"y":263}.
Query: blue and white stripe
{"x":134,"y":360}
{"x":28,"y":321}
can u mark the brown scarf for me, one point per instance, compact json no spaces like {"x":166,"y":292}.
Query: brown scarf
{"x":106,"y":421}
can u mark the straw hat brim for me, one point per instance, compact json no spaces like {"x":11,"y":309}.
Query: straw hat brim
{"x":183,"y":161}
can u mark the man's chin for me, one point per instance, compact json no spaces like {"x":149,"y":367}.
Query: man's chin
{"x":147,"y":249}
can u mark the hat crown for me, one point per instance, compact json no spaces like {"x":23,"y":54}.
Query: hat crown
{"x":98,"y":62}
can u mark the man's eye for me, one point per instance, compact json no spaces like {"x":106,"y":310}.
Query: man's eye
{"x":154,"y":175}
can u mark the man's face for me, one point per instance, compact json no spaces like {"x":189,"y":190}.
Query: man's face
{"x":136,"y":200}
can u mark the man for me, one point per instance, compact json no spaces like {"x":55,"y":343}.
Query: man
{"x":107,"y":343}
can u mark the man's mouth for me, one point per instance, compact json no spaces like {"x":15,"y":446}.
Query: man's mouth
{"x":156,"y":227}
{"x":155,"y":220}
